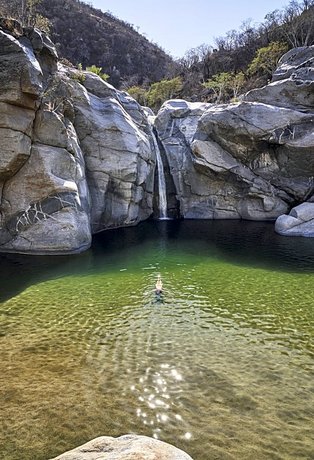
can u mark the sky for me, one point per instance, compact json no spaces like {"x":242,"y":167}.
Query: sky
{"x":179,"y":25}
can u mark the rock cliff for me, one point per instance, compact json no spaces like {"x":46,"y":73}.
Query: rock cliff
{"x":252,"y":159}
{"x":77,"y":156}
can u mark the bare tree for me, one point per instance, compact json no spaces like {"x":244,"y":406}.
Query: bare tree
{"x":297,"y":23}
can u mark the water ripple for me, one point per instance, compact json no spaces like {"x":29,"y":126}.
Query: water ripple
{"x":221,"y":364}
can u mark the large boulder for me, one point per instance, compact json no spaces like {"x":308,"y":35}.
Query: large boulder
{"x":211,"y":182}
{"x":21,"y":77}
{"x":44,"y":195}
{"x":116,"y":139}
{"x":299,"y":222}
{"x":21,"y":83}
{"x":176,"y":124}
{"x":124,"y":448}
{"x":292,"y":83}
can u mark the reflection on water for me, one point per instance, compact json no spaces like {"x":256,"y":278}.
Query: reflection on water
{"x":221,"y":365}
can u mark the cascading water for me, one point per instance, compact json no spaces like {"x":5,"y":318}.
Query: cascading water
{"x":161,"y":182}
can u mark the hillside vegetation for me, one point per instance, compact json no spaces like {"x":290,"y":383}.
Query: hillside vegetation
{"x":239,"y":61}
{"x":87,"y":36}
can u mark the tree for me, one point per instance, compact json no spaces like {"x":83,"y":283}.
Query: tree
{"x":226,"y":85}
{"x":163,"y":90}
{"x":266,"y":59}
{"x":298,"y":23}
{"x":220,"y":85}
{"x":42,"y":23}
{"x":237,"y":82}
{"x":29,"y":11}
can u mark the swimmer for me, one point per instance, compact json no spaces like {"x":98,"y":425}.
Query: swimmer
{"x":158,"y":289}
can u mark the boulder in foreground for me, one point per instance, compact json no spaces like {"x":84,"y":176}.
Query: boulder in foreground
{"x":128,"y":447}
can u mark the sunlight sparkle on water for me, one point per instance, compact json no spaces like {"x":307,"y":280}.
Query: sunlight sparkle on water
{"x":176,"y":375}
{"x":222,"y":367}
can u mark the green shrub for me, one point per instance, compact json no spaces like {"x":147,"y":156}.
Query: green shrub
{"x":98,"y":71}
{"x":139,"y":94}
{"x":163,"y":90}
{"x":266,"y":58}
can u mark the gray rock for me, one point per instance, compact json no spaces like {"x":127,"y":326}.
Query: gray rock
{"x":118,"y":150}
{"x":292,"y":83}
{"x":124,"y":448}
{"x":41,"y":42}
{"x":249,"y":160}
{"x":46,"y":204}
{"x":71,"y":154}
{"x":50,"y":129}
{"x":15,"y":149}
{"x":274,"y":143}
{"x":176,"y":124}
{"x":62,"y":232}
{"x":296,"y":59}
{"x":207,"y":149}
{"x":21,"y":77}
{"x":17,"y":118}
{"x":44,"y":196}
{"x":299,"y":222}
{"x":294,"y":93}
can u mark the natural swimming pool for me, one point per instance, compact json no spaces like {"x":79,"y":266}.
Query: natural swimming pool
{"x":222,"y":367}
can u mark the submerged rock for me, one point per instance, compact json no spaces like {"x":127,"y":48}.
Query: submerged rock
{"x":123,"y":448}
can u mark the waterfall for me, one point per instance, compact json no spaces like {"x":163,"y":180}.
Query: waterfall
{"x":161,"y":182}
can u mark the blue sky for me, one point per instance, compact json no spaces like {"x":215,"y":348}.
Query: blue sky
{"x":178,"y":25}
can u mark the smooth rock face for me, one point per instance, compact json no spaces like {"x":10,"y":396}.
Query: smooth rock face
{"x":128,"y":447}
{"x":299,"y":222}
{"x":21,"y":78}
{"x":249,"y":160}
{"x":293,"y":61}
{"x":211,"y":182}
{"x":292,"y":83}
{"x":176,"y":124}
{"x":117,"y":143}
{"x":77,"y":156}
{"x":44,"y":195}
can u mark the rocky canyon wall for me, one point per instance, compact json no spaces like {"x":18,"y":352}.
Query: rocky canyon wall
{"x":78,"y":157}
{"x":252,"y":159}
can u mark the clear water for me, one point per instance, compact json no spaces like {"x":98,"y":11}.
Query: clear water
{"x":221,"y":366}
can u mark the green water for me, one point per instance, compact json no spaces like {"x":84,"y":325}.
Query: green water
{"x":221,"y":366}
